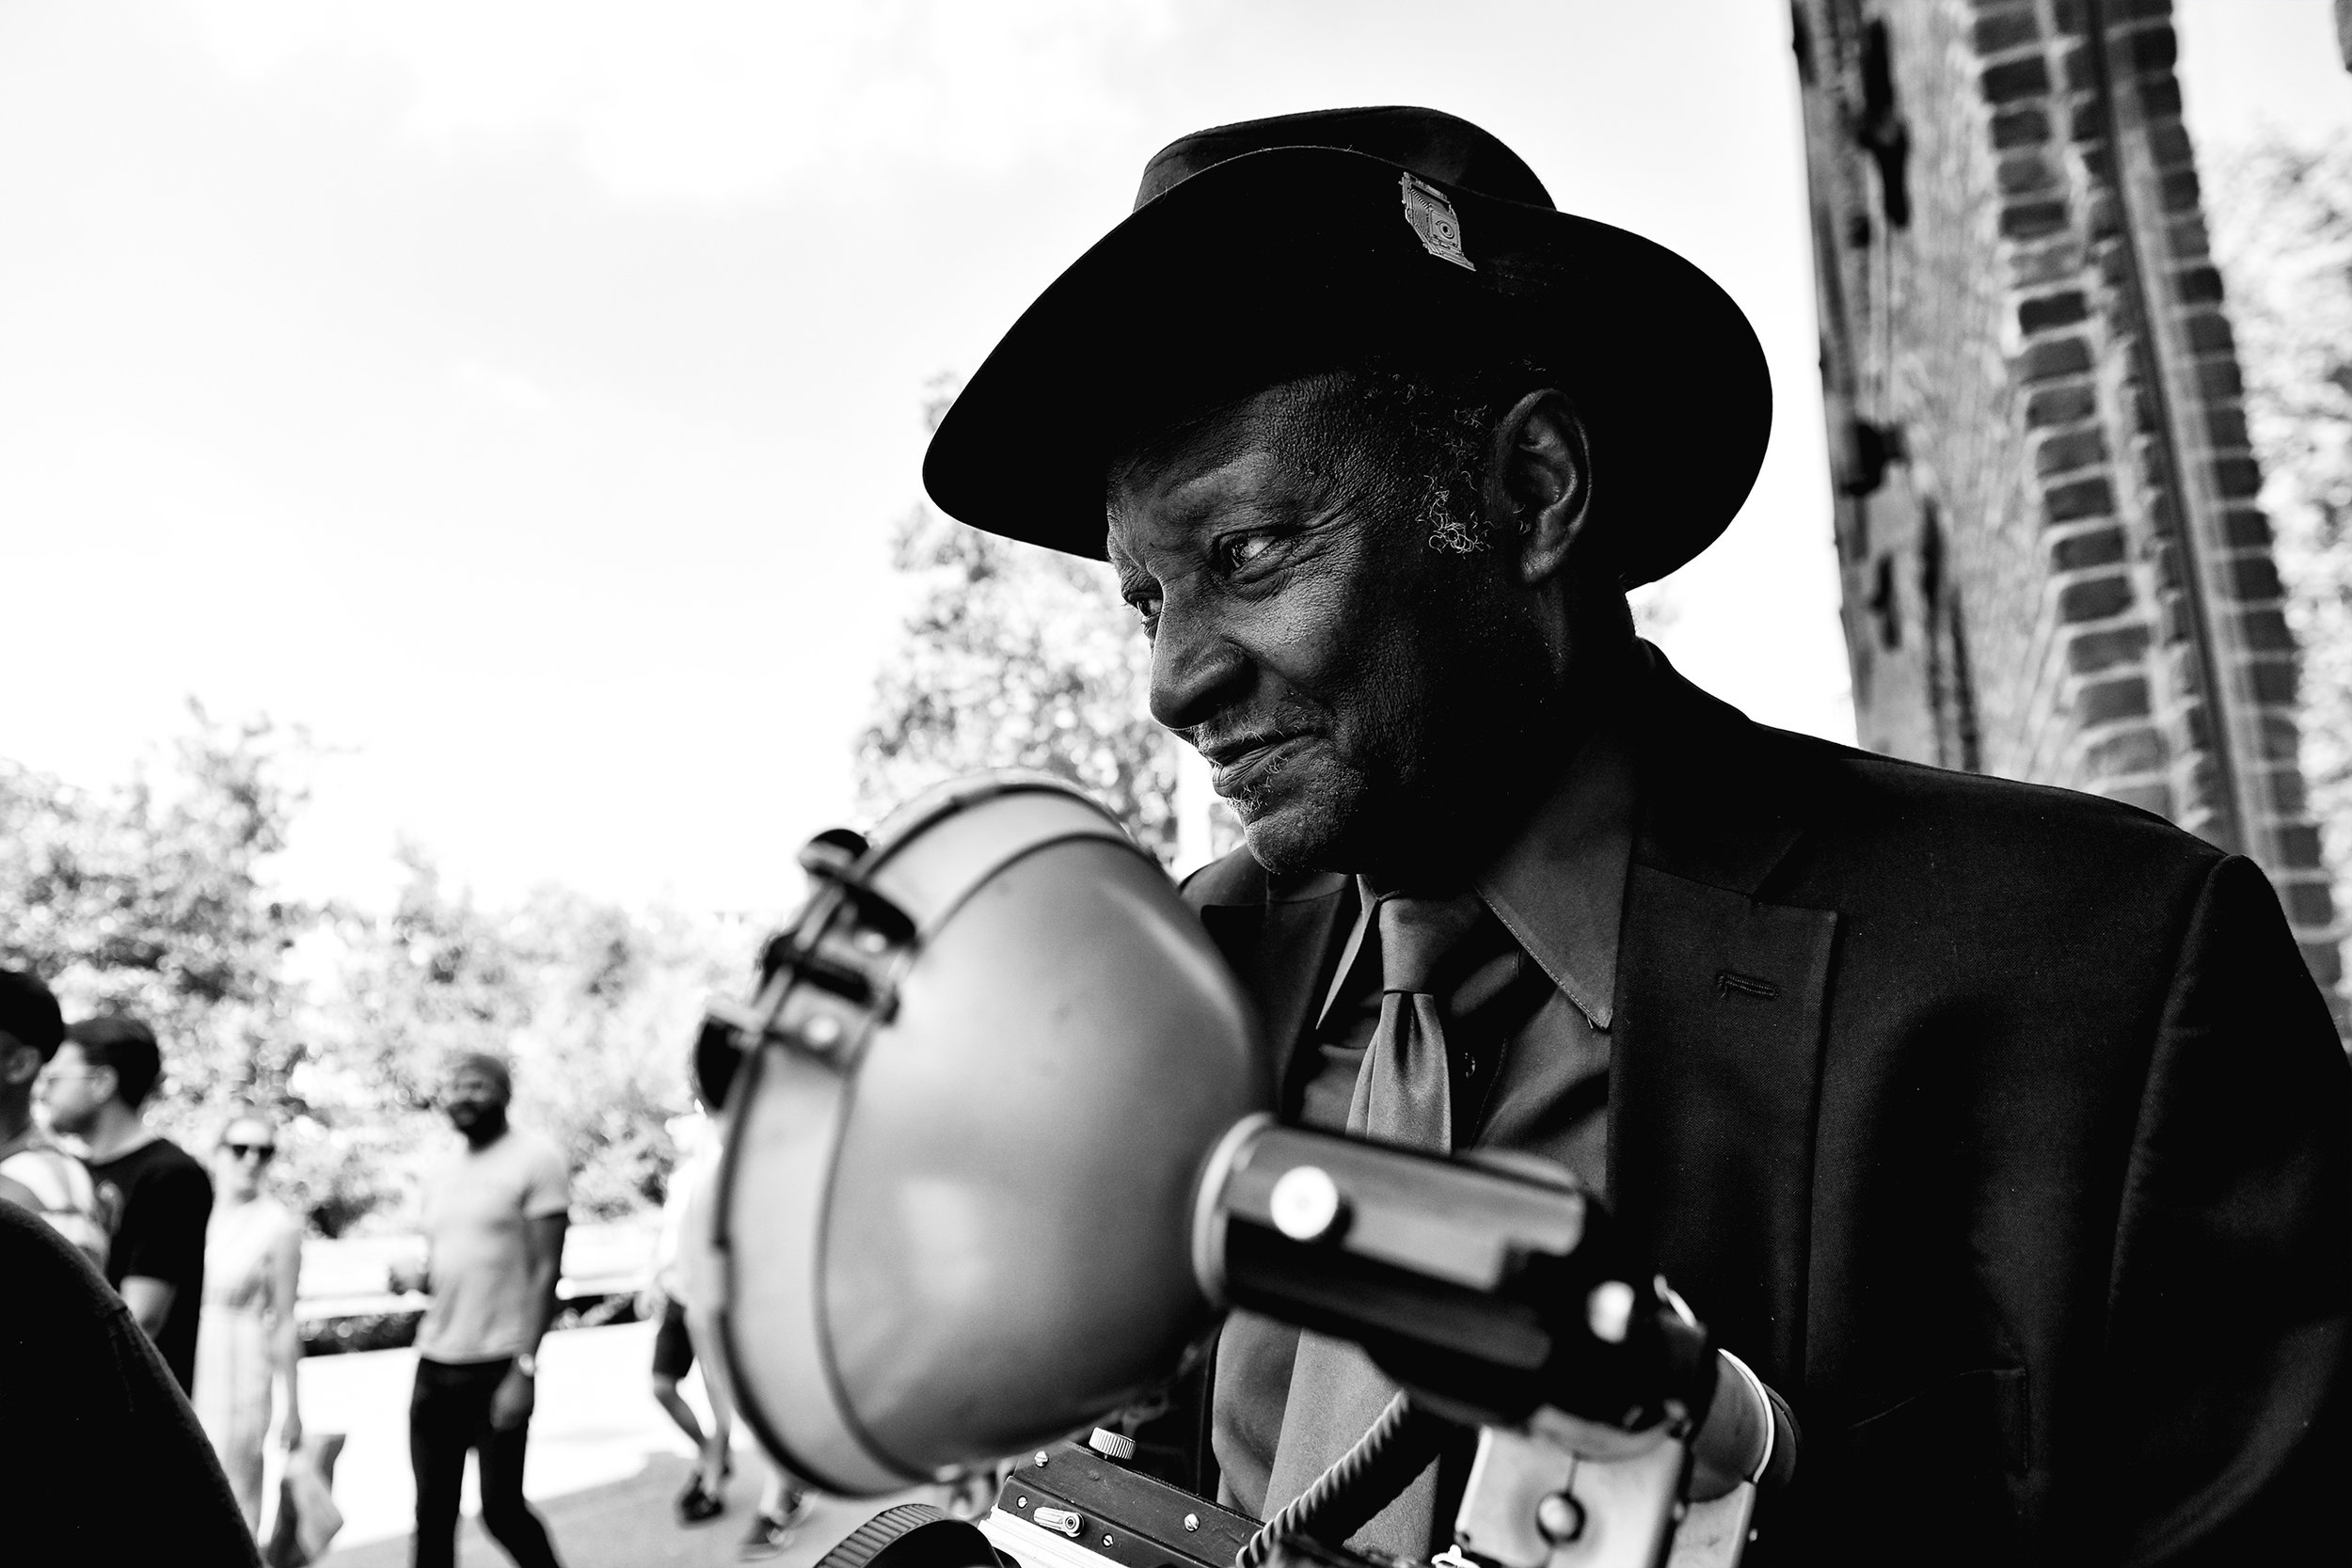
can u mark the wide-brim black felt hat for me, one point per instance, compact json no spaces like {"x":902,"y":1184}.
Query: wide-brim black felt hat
{"x":1280,"y":247}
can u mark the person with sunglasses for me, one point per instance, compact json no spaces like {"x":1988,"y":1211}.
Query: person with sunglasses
{"x":248,"y":1341}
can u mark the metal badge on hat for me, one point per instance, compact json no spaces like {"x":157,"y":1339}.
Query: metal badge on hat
{"x":1432,"y":217}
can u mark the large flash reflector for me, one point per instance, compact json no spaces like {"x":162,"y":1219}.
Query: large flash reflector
{"x":977,"y":1083}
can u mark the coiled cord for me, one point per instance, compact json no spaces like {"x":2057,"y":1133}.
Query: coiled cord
{"x":1362,"y":1482}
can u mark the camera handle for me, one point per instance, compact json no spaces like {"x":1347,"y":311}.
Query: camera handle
{"x":1498,"y":1296}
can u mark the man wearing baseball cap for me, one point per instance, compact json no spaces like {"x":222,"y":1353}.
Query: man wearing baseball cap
{"x":1997,"y":1128}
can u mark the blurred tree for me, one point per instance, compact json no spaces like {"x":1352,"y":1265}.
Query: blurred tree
{"x":154,"y":897}
{"x":149,"y":899}
{"x":2282,"y":234}
{"x":596,"y":1007}
{"x":1019,"y":657}
{"x":617,"y":1000}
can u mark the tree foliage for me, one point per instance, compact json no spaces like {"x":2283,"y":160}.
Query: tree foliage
{"x":594,"y":1005}
{"x":151,"y":899}
{"x":154,"y":897}
{"x":1019,"y":657}
{"x":2282,"y":234}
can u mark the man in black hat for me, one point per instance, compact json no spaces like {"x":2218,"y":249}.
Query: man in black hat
{"x":1999,"y":1129}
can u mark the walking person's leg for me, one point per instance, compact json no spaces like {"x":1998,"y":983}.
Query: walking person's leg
{"x":782,"y":1504}
{"x":718,"y":1457}
{"x":781,"y":1507}
{"x":705,"y":1497}
{"x":444,"y":1413}
{"x":509,"y":1519}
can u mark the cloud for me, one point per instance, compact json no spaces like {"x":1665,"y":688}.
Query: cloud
{"x":719,"y":100}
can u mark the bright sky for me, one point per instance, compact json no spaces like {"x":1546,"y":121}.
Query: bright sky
{"x":519,"y":395}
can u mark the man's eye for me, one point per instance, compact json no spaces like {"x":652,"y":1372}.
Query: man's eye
{"x":1146,"y":605}
{"x":1244,"y":551}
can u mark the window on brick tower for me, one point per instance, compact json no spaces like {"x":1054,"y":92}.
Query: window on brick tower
{"x":1950,"y":682}
{"x":1886,"y":607}
{"x":1879,"y":126}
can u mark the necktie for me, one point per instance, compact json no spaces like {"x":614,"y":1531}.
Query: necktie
{"x":1403,"y":1094}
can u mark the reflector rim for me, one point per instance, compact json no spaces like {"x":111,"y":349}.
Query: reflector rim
{"x":1208,"y":1207}
{"x":900,"y":827}
{"x":817,"y":1397}
{"x":819,"y":1095}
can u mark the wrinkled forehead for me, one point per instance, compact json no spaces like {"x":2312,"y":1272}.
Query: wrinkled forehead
{"x":1171,"y":477}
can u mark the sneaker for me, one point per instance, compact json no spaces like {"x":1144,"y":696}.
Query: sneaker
{"x":698,"y":1504}
{"x":773,"y":1532}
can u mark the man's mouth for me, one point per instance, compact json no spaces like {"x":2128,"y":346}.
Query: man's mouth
{"x":1238,"y":765}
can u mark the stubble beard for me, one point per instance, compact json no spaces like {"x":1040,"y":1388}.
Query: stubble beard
{"x":1428,"y":781}
{"x":1311,"y":829}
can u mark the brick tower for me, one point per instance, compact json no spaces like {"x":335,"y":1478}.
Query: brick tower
{"x":2054,"y":565}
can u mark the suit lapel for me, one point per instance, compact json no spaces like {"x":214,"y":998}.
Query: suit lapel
{"x":1716,"y":1052}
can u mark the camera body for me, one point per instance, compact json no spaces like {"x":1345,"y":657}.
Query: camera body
{"x":998,"y":1152}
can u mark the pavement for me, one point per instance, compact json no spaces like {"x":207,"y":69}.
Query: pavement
{"x":604,"y":1467}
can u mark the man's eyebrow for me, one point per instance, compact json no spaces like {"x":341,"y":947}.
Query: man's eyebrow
{"x":1187,"y":504}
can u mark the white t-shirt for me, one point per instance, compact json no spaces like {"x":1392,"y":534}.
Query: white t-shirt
{"x":683,"y":1260}
{"x":67,"y":1197}
{"x":475,"y":1206}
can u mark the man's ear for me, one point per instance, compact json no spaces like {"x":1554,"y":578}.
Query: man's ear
{"x":1539,"y":482}
{"x":19,"y":1063}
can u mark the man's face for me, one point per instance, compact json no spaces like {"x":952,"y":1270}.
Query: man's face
{"x":469,"y":1097}
{"x":72,"y":1091}
{"x":1353,"y":689}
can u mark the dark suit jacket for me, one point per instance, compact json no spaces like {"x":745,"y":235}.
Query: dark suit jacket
{"x":101,"y":1461}
{"x":1999,"y":1127}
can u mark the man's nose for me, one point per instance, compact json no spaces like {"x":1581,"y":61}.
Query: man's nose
{"x":1197,"y":669}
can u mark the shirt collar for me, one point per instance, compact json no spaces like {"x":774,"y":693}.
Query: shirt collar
{"x":1559,"y":886}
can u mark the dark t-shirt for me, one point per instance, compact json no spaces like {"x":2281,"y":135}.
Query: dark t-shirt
{"x":100,"y":1459}
{"x":158,"y":1201}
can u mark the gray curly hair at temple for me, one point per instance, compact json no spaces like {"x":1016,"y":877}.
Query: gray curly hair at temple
{"x":1430,"y":430}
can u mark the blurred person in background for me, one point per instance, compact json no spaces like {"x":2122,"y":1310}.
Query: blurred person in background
{"x":248,"y":1341}
{"x":705,"y":1497}
{"x":157,"y":1200}
{"x":694,"y":1273}
{"x":493,"y":1216}
{"x":35,"y":1173}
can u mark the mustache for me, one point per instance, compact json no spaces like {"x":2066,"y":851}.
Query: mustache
{"x":1228,"y":736}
